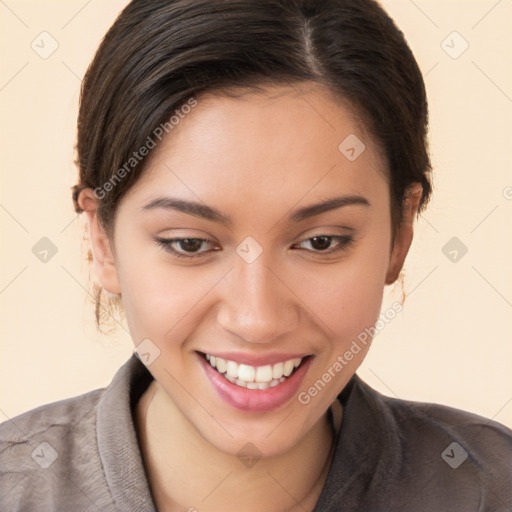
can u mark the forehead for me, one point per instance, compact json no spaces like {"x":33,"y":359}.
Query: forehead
{"x":281,"y":144}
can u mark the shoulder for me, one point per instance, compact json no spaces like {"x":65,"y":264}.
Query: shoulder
{"x":483,"y":437}
{"x":52,"y":447}
{"x":62,"y":414}
{"x":419,"y":424}
{"x":458,"y":456}
{"x":57,"y":421}
{"x":402,"y":455}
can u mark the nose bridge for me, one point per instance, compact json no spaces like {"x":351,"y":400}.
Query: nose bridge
{"x":257,"y":306}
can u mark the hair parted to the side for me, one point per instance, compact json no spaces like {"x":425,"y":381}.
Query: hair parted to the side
{"x":160,"y":53}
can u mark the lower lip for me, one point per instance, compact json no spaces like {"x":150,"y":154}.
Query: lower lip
{"x":255,"y":400}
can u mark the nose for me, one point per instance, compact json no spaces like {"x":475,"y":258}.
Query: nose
{"x":257,"y":306}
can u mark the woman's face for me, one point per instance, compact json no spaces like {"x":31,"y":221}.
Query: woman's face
{"x":285,"y":251}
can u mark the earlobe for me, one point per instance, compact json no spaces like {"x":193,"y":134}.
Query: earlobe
{"x":103,"y":256}
{"x":404,"y":234}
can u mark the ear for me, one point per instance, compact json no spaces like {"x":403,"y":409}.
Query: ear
{"x":404,"y":233}
{"x":103,"y":256}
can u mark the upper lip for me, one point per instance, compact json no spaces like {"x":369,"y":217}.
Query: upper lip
{"x":257,"y":360}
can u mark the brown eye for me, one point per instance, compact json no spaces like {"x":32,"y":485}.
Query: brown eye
{"x":190,"y":244}
{"x":186,"y":247}
{"x":326,"y":244}
{"x":321,"y":243}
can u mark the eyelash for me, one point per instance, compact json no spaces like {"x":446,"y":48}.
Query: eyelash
{"x":344,"y":242}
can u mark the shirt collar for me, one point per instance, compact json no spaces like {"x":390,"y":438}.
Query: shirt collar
{"x":117,"y":439}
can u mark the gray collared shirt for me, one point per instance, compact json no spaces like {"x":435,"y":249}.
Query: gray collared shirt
{"x":82,"y":454}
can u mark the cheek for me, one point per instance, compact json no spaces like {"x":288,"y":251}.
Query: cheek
{"x":162,"y":300}
{"x":153,"y":298}
{"x":348,"y":303}
{"x":347,"y":297}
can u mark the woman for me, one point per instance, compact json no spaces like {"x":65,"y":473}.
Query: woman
{"x":251,"y":172}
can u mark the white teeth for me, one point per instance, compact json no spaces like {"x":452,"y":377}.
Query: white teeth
{"x":263,"y":373}
{"x":288,"y":368}
{"x":251,"y":377}
{"x":246,"y":372}
{"x":221,"y":364}
{"x":241,"y":383}
{"x":277,"y":370}
{"x":232,"y":369}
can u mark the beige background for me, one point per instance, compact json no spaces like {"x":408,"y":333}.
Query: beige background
{"x":452,"y":342}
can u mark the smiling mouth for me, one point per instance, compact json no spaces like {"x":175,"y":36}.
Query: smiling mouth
{"x":255,"y":377}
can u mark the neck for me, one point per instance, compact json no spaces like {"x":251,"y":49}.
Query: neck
{"x":186,"y":472}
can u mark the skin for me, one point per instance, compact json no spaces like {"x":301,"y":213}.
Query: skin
{"x":257,"y":158}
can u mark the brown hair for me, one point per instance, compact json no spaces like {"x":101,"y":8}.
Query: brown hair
{"x":160,"y":53}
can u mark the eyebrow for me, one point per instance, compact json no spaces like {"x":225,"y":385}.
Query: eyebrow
{"x":191,"y":207}
{"x":328,"y":205}
{"x":207,"y":212}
